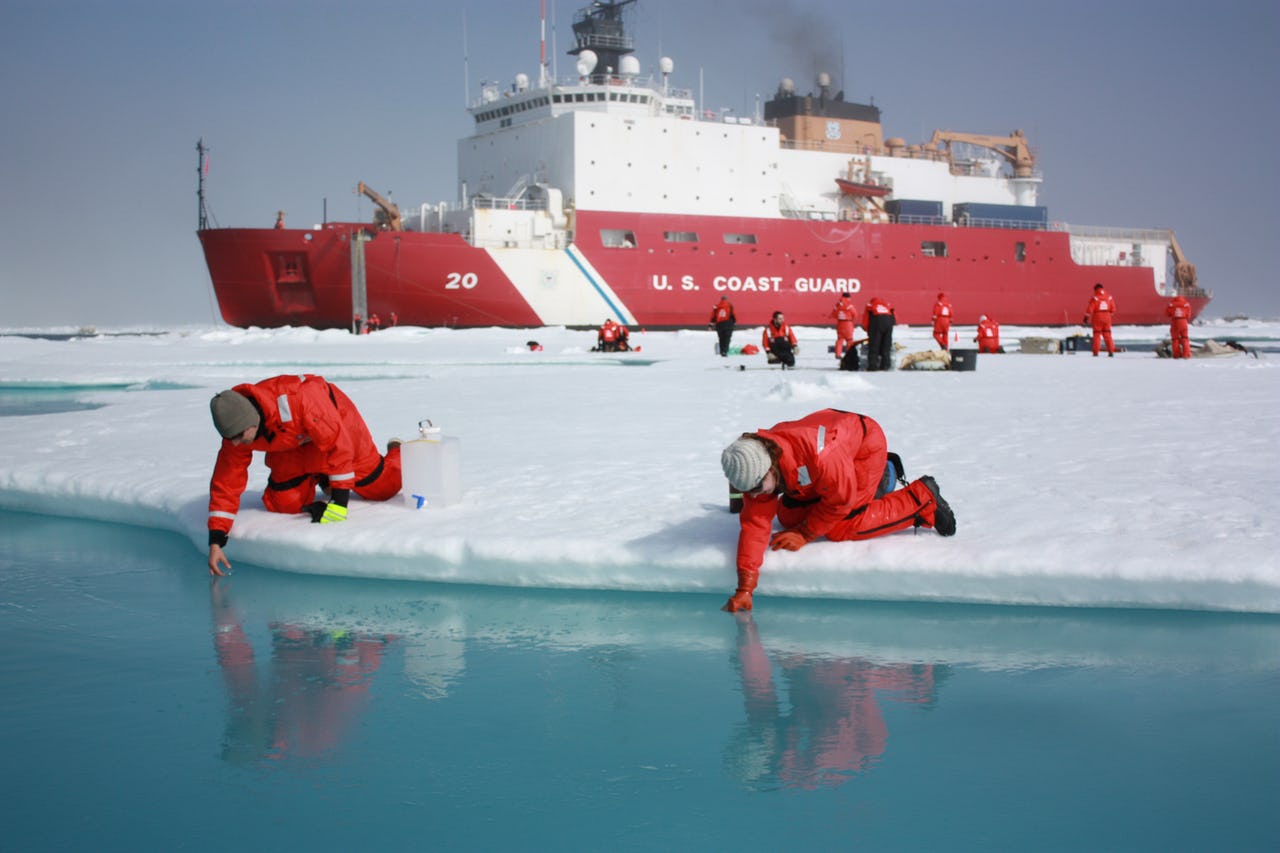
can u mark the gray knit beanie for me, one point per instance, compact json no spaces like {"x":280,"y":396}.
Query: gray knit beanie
{"x":232,"y":413}
{"x":745,"y":462}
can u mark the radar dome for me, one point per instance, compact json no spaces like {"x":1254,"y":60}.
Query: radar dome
{"x":522,"y":82}
{"x":787,"y":86}
{"x":629,"y":66}
{"x":824,"y":79}
{"x":586,"y":62}
{"x":666,"y":65}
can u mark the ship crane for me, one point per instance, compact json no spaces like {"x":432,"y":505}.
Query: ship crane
{"x":388,"y":215}
{"x":1184,"y":272}
{"x":1013,"y":148}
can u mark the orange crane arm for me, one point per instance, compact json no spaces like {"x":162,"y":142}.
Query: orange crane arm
{"x":388,"y":214}
{"x":1013,"y":147}
{"x":1184,"y":272}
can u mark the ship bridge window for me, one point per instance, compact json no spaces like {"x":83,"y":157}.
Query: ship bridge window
{"x":740,"y":239}
{"x":680,"y":236}
{"x":933,"y":248}
{"x":617,"y":238}
{"x":1019,"y":251}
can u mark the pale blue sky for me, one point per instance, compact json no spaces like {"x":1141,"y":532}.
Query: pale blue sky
{"x":1144,"y":114}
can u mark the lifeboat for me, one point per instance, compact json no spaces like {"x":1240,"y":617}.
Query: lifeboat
{"x":856,"y":188}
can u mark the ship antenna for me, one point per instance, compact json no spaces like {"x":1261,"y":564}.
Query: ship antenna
{"x":201,"y":171}
{"x":466,"y":61}
{"x":542,"y":49}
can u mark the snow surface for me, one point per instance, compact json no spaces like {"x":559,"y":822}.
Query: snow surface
{"x":1132,"y":481}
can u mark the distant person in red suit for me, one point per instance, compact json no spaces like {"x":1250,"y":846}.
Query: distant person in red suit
{"x":1179,"y":311}
{"x":723,"y":318}
{"x":608,"y":336}
{"x":1098,"y":315}
{"x":942,"y":320}
{"x":845,"y":313}
{"x":279,"y":219}
{"x":779,"y":341}
{"x":374,"y":324}
{"x":988,"y":336}
{"x":878,"y":319}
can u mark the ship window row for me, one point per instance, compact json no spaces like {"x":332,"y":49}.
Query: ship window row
{"x":622,"y":238}
{"x":512,"y":109}
{"x":598,"y":97}
{"x":938,"y":249}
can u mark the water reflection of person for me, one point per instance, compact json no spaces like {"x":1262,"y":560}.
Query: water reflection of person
{"x":830,"y":727}
{"x":304,"y":702}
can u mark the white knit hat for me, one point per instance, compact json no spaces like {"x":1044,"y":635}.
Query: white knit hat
{"x":745,"y":463}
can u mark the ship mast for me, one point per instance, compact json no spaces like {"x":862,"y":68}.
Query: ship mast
{"x":542,"y":49}
{"x":203,"y":220}
{"x":600,"y":29}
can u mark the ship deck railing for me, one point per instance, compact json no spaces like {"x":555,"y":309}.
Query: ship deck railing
{"x":1120,"y":235}
{"x":1011,"y":224}
{"x":496,"y":203}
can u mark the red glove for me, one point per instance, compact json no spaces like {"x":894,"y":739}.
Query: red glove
{"x":741,"y":600}
{"x":788,"y":540}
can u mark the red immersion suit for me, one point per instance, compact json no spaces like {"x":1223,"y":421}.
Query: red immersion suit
{"x":1179,"y":311}
{"x":1101,"y":308}
{"x":831,"y":464}
{"x":309,"y":428}
{"x":988,"y":335}
{"x":941,"y":320}
{"x":846,"y":316}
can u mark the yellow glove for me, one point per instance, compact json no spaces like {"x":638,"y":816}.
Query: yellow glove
{"x":333,"y":513}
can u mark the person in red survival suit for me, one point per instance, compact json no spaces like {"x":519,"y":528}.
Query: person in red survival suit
{"x":845,"y":313}
{"x":312,"y":435}
{"x":942,"y":320}
{"x":624,"y":338}
{"x":607,"y":337}
{"x":1098,"y":315}
{"x":878,"y":319}
{"x":779,"y":341}
{"x":1179,"y":311}
{"x":988,"y":336}
{"x":723,"y":318}
{"x":820,"y":476}
{"x":829,"y":724}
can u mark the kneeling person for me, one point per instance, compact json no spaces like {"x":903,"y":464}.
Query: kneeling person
{"x":820,"y":476}
{"x":312,"y":435}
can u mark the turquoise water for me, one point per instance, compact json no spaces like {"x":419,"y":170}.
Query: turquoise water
{"x":148,"y":708}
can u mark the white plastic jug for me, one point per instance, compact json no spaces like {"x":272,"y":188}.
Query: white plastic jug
{"x":431,"y":468}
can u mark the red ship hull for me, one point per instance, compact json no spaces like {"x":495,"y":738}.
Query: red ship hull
{"x":277,"y":277}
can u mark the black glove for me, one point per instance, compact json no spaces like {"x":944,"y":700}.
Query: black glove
{"x":315,"y":510}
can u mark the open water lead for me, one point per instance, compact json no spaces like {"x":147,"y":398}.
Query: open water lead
{"x":431,"y":468}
